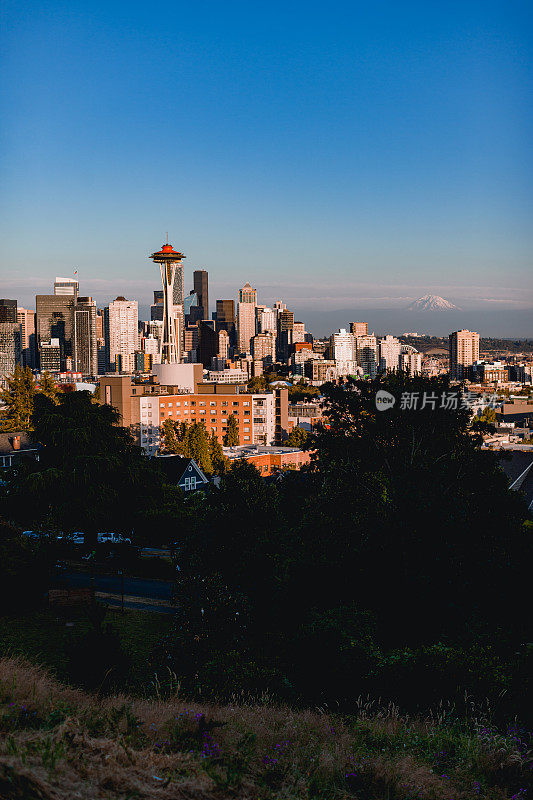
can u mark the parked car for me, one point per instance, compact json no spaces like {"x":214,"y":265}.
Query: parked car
{"x":31,"y":534}
{"x":78,"y":537}
{"x":113,"y":538}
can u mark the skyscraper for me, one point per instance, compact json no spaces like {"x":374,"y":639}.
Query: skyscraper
{"x":10,"y":350}
{"x":26,"y":320}
{"x":226,"y":318}
{"x":66,"y":286}
{"x":8,"y":310}
{"x":359,"y":328}
{"x":366,"y":348}
{"x":389,"y":353}
{"x":246,"y":317}
{"x":201,"y":289}
{"x":85,"y":345}
{"x":54,"y":319}
{"x":121,"y":333}
{"x":464,"y":350}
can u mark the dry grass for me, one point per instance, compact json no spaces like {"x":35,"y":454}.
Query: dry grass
{"x":58,"y":743}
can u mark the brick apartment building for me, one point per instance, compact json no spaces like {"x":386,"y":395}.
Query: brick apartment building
{"x":262,"y":418}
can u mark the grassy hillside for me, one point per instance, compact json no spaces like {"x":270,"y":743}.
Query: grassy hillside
{"x":58,"y":743}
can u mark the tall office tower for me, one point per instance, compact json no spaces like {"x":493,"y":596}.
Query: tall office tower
{"x":170,"y":264}
{"x":8,"y":310}
{"x":156,"y":309}
{"x":26,"y":320}
{"x":207,"y":348}
{"x":464,"y":350}
{"x":389,"y":353}
{"x":121,"y":332}
{"x":285,"y":326}
{"x":54,"y":319}
{"x":411,"y":362}
{"x":66,"y":286}
{"x":298,"y":332}
{"x":223,"y":344}
{"x":359,"y":328}
{"x":226,"y":319}
{"x":246,"y":317}
{"x":85,"y":341}
{"x":99,"y":323}
{"x":10,"y":350}
{"x":264,"y":348}
{"x":366,"y":348}
{"x":50,"y":356}
{"x":342,"y":345}
{"x":279,"y":306}
{"x":267,"y":321}
{"x":201,"y":289}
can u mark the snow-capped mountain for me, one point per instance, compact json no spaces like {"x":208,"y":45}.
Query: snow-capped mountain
{"x":432,"y":302}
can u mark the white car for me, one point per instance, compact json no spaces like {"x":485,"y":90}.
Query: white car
{"x":31,"y":534}
{"x":78,"y":537}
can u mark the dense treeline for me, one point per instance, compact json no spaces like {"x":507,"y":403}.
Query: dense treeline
{"x":398,"y":564}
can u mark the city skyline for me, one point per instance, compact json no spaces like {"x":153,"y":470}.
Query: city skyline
{"x":393,"y":146}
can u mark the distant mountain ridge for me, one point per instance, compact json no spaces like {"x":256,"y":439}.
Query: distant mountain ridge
{"x":432,"y":302}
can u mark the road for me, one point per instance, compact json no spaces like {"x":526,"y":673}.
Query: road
{"x":141,"y":594}
{"x":516,"y":466}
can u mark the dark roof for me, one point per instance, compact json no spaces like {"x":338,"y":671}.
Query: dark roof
{"x":6,"y":443}
{"x":175,"y":466}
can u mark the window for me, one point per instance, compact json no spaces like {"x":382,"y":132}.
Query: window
{"x":235,"y":403}
{"x":246,"y":411}
{"x":187,"y":484}
{"x":246,"y":437}
{"x":162,"y":413}
{"x":193,"y":402}
{"x":247,"y":430}
{"x":224,"y":403}
{"x":201,"y":403}
{"x":246,"y":403}
{"x":178,"y":404}
{"x":193,"y":483}
{"x":186,"y":403}
{"x":170,"y":405}
{"x":5,"y":461}
{"x":212,"y":402}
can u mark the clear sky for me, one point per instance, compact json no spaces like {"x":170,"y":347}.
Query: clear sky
{"x":340,"y":155}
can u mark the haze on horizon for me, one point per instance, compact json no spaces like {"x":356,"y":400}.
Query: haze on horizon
{"x":346,"y":159}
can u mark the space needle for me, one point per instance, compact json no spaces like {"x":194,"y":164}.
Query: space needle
{"x":169,"y":261}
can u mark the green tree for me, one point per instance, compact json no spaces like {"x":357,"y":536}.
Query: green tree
{"x":298,"y":437}
{"x":198,"y":445}
{"x":169,"y":437}
{"x":90,"y":475}
{"x":48,"y":386}
{"x":231,"y":437}
{"x":258,"y":384}
{"x":302,"y":391}
{"x":218,"y":459}
{"x":18,"y":400}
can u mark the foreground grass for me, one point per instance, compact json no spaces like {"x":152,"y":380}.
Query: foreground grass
{"x":43,"y":638}
{"x":58,"y":743}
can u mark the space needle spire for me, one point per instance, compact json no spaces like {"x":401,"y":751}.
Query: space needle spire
{"x":169,"y":261}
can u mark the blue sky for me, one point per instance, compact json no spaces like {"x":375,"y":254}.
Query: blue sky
{"x":340,"y":155}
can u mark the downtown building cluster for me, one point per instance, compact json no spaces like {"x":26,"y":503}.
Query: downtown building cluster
{"x":186,"y":347}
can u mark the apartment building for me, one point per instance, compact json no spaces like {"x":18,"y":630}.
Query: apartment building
{"x":261,"y":418}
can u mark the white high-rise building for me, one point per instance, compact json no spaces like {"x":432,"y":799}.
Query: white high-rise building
{"x":367,"y":354}
{"x":121,"y":324}
{"x":464,"y":350}
{"x":266,"y":321}
{"x":411,"y":362}
{"x":69,"y":286}
{"x":389,"y":353}
{"x":342,"y":346}
{"x":246,"y":317}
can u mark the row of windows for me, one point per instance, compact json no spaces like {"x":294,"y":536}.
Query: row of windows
{"x":203,"y":403}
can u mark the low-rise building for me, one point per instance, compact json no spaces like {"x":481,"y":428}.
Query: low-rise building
{"x":269,"y":460}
